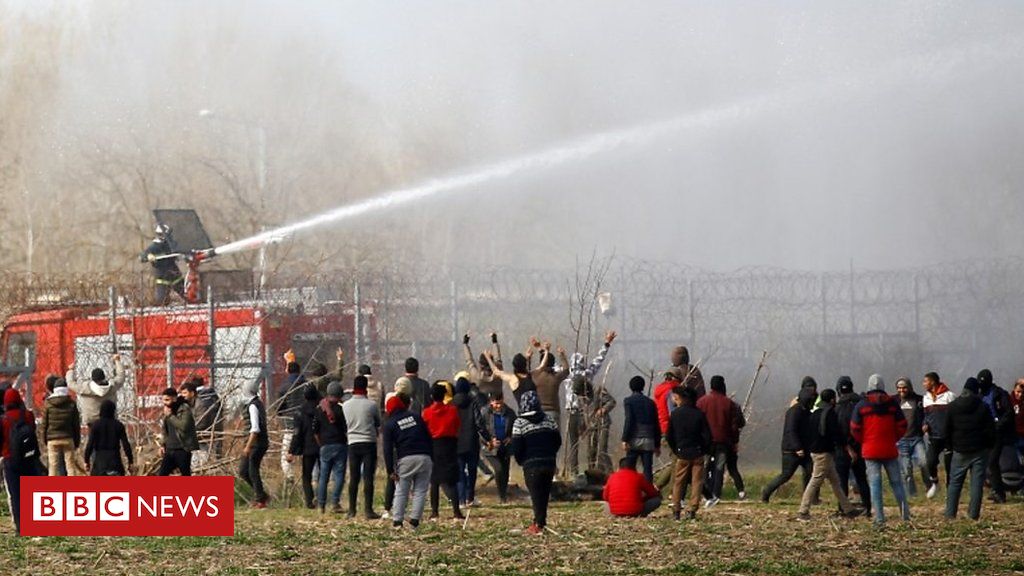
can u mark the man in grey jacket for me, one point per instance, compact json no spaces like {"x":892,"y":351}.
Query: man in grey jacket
{"x":98,"y":388}
{"x":363,"y":418}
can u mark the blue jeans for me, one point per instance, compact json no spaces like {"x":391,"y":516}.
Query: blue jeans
{"x":468,"y":463}
{"x":913,"y":455}
{"x":892,"y":470}
{"x":977,"y":463}
{"x":333,"y":458}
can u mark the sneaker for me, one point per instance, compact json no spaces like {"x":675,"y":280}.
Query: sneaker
{"x":310,"y":506}
{"x":385,"y":515}
{"x":397,"y":524}
{"x":323,"y":509}
{"x":711,"y":503}
{"x":804,"y":516}
{"x":259,"y":505}
{"x":336,"y":509}
{"x":852,"y":513}
{"x":473,"y":504}
{"x":533,"y":530}
{"x":675,"y":514}
{"x":932,"y":490}
{"x":350,"y":515}
{"x":691,"y":515}
{"x":433,"y":516}
{"x":414,"y":524}
{"x":741,"y":496}
{"x":371,"y":515}
{"x":460,"y":516}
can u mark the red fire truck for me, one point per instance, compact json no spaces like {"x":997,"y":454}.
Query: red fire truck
{"x":162,"y":346}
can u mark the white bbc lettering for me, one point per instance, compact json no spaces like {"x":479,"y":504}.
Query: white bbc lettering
{"x":114,"y":506}
{"x":80,"y":506}
{"x":48,"y":506}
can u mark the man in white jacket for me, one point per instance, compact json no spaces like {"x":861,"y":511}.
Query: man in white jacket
{"x":577,"y":398}
{"x":98,"y":388}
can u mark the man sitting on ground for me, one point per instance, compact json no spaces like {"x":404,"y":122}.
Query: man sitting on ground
{"x":628,"y":493}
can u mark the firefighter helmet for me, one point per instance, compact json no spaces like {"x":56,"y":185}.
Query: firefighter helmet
{"x":162,"y":230}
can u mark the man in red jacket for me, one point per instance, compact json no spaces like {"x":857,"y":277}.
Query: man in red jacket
{"x":718,"y":409}
{"x":878,"y":424}
{"x":628,"y":493}
{"x":16,"y":465}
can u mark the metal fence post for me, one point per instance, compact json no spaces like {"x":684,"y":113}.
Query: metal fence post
{"x":212,"y":330}
{"x":358,"y":324}
{"x":112,"y":328}
{"x":169,"y":363}
{"x":691,"y":301}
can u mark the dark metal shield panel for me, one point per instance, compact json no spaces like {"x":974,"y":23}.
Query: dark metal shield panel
{"x":187,"y":230}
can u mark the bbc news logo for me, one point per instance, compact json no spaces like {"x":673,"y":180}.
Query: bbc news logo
{"x":127,"y":506}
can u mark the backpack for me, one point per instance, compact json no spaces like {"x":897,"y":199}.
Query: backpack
{"x":24,"y":445}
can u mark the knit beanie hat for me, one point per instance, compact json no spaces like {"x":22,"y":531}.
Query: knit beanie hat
{"x":251,"y":389}
{"x":11,"y":398}
{"x":809,"y":382}
{"x":365,"y":370}
{"x":985,"y":379}
{"x":334,"y":389}
{"x":876,"y":382}
{"x":970,"y":386}
{"x":529,"y":404}
{"x":844,"y":385}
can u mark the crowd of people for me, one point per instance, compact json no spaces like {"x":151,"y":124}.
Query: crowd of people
{"x":435,"y":438}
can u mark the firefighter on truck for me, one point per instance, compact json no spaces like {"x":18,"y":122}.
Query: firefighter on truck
{"x":163,"y":255}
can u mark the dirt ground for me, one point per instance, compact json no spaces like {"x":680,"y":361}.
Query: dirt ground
{"x":748,"y":538}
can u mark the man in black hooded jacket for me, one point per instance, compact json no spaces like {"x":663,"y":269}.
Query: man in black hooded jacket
{"x":796,"y":440}
{"x":971,"y":433}
{"x":1001,"y":409}
{"x":848,"y":459}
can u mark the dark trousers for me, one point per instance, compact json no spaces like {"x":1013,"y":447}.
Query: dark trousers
{"x":732,"y":466}
{"x":538,"y":482}
{"x":308,"y":464}
{"x":362,"y":464}
{"x":450,"y":492}
{"x":846,"y":467}
{"x":718,"y":459}
{"x":995,"y":470}
{"x":501,"y":461}
{"x":937,"y":447}
{"x":12,"y":480}
{"x":790,"y":463}
{"x":646,"y":458}
{"x":176,"y":459}
{"x":468,"y":463}
{"x":389,"y":493}
{"x":249,"y":471}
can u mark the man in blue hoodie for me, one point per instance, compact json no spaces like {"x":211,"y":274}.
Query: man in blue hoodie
{"x":998,"y":402}
{"x":407,"y":458}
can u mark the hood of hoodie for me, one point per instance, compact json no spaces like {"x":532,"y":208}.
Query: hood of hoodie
{"x":877,"y":397}
{"x":102,"y":390}
{"x":938,"y":390}
{"x":807,"y":397}
{"x":60,"y":401}
{"x":577,"y":362}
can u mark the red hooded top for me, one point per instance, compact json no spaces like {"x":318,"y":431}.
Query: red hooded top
{"x":625,"y":492}
{"x":878,"y":424}
{"x":661,"y":399}
{"x":442,"y":420}
{"x":13,"y":416}
{"x":717,"y":407}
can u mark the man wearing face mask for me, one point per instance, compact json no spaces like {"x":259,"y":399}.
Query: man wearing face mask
{"x":998,"y":402}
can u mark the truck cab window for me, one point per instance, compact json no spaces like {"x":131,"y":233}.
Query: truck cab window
{"x":21,"y":349}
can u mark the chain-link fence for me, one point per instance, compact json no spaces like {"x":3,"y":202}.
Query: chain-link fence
{"x":954,"y":318}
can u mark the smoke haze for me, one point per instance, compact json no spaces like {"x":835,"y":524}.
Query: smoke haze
{"x":886,"y":134}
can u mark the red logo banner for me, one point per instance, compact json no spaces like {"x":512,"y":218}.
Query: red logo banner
{"x":128,"y":506}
